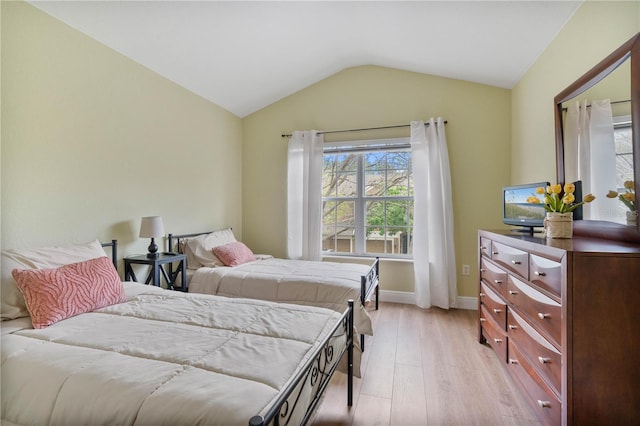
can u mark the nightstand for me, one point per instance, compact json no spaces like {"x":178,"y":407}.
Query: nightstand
{"x":161,"y":264}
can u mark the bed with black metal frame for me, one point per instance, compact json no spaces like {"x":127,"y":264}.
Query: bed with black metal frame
{"x":369,"y":281}
{"x":316,"y":371}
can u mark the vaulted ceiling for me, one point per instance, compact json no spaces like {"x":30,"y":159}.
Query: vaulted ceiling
{"x":245,"y":55}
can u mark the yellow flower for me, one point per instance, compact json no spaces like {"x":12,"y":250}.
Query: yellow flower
{"x":589,"y":198}
{"x":540,"y":190}
{"x":533,"y":200}
{"x":628,"y":197}
{"x":568,"y":198}
{"x":554,"y":189}
{"x":569,"y":188}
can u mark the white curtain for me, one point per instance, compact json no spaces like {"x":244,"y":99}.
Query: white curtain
{"x":304,"y":195}
{"x":590,"y":152}
{"x":434,"y":261}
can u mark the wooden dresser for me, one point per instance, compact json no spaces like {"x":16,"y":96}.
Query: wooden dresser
{"x":564,"y":317}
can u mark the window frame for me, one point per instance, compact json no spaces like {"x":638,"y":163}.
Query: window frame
{"x":361,"y":147}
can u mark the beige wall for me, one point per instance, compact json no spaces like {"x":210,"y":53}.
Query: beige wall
{"x":478,"y":132}
{"x":92,"y":141}
{"x":596,"y":29}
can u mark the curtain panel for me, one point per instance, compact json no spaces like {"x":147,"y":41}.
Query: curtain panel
{"x":434,"y":260}
{"x":304,"y":195}
{"x":590,"y":151}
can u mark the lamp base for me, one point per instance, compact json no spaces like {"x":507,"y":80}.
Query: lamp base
{"x":153,"y":250}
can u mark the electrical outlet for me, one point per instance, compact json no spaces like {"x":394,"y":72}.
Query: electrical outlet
{"x":465,"y":269}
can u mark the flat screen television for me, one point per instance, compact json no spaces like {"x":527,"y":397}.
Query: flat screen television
{"x":516,"y":211}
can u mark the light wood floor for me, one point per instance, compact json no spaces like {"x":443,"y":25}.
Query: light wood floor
{"x":425,"y":367}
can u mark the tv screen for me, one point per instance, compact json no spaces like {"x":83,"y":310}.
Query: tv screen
{"x":517,"y":211}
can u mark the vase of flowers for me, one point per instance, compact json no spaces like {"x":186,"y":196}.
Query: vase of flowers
{"x":559,"y":203}
{"x":628,"y":198}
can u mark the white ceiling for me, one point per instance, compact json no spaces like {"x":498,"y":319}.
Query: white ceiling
{"x":246,"y":55}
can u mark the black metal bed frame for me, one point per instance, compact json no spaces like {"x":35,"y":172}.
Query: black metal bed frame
{"x":316,"y":372}
{"x":368,"y":282}
{"x":114,"y":251}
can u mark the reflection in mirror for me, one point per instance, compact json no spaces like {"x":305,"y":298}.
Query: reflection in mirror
{"x":598,"y":141}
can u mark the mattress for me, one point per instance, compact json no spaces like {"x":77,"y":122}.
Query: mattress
{"x":161,"y":358}
{"x":324,"y":284}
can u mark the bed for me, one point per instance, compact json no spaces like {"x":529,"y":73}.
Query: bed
{"x":219,"y":264}
{"x":161,"y":357}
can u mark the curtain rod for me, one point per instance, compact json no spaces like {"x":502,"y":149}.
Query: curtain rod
{"x":284,"y":135}
{"x":611,"y":102}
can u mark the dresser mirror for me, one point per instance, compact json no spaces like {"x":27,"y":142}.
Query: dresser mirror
{"x":611,"y":159}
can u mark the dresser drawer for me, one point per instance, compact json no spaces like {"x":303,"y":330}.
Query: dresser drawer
{"x":540,"y":353}
{"x":514,"y":260}
{"x":496,"y":337}
{"x":546,"y":274}
{"x":543,"y":401}
{"x":495,"y":276}
{"x":543,"y":312}
{"x":495,"y":305}
{"x":485,"y":247}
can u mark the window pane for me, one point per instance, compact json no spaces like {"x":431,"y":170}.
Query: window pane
{"x":398,"y":183}
{"x":347,"y":184}
{"x":375,"y":161}
{"x":339,"y":170}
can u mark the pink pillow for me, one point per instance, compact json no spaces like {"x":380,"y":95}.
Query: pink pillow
{"x":54,"y":294}
{"x":234,"y":254}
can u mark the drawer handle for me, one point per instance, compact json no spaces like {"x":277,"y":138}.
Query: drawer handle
{"x":544,"y":360}
{"x":513,"y":361}
{"x":497,"y":281}
{"x":482,"y":295}
{"x":497,"y":311}
{"x":513,"y":292}
{"x":494,"y":252}
{"x":543,"y":316}
{"x":516,"y":262}
{"x":483,"y":247}
{"x":497,"y":340}
{"x":513,"y":327}
{"x":540,"y":274}
{"x":483,"y":319}
{"x":544,"y":404}
{"x":482,"y":270}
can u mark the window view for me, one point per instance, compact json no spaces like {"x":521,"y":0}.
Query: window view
{"x":368,"y":202}
{"x":624,"y":160}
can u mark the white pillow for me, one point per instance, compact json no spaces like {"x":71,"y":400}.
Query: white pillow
{"x":199,"y":250}
{"x":13,"y":305}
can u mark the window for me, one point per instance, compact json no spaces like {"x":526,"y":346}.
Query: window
{"x":368,"y":198}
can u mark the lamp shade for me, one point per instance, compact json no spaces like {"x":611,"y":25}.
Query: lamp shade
{"x":151,"y":227}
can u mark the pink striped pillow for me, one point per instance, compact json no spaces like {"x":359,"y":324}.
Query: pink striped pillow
{"x":234,"y":254}
{"x":54,"y":294}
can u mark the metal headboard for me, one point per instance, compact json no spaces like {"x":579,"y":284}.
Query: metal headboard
{"x":175,"y":238}
{"x":114,"y":251}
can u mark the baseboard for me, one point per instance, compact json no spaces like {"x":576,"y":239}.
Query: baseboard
{"x":463,"y":302}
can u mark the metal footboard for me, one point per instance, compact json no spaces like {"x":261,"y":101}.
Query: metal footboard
{"x":316,"y":372}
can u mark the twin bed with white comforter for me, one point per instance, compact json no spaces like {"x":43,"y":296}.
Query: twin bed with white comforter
{"x":243,"y":274}
{"x":163,"y":357}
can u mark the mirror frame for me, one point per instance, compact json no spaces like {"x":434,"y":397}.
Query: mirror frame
{"x":629,"y":50}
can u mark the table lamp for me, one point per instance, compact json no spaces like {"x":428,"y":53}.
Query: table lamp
{"x":152,"y":227}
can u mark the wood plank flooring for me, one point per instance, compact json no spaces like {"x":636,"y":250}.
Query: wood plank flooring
{"x":425,"y":367}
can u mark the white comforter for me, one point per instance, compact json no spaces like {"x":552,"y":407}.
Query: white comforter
{"x":324,"y":284}
{"x":163,"y":357}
